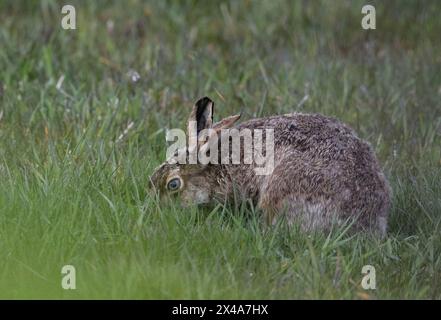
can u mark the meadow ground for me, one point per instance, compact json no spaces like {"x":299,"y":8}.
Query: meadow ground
{"x":79,"y":138}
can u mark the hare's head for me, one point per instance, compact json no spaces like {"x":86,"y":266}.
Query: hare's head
{"x":195,"y":182}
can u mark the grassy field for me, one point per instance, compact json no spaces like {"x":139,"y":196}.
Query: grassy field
{"x":79,"y":139}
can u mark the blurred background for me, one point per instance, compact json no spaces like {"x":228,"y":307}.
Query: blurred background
{"x":262,"y":57}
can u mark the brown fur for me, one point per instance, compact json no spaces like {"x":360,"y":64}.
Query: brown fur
{"x":323,"y":173}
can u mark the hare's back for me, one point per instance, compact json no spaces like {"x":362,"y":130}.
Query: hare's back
{"x":306,"y":132}
{"x":321,"y":151}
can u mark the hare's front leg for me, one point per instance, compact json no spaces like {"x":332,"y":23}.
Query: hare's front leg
{"x":273,"y":208}
{"x":274,"y":193}
{"x":270,"y":213}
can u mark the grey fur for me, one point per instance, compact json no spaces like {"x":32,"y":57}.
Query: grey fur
{"x":323,"y":173}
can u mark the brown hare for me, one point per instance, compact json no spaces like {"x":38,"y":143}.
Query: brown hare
{"x":322,"y":173}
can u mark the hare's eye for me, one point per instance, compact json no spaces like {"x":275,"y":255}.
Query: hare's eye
{"x":174,"y":184}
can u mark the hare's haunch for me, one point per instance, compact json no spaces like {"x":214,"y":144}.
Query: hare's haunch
{"x":321,"y":172}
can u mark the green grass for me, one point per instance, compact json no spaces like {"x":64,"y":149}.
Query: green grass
{"x":73,"y":190}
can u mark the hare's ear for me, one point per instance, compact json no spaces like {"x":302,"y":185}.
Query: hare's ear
{"x":157,"y":176}
{"x":216,"y":129}
{"x":201,"y":115}
{"x":226,"y":123}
